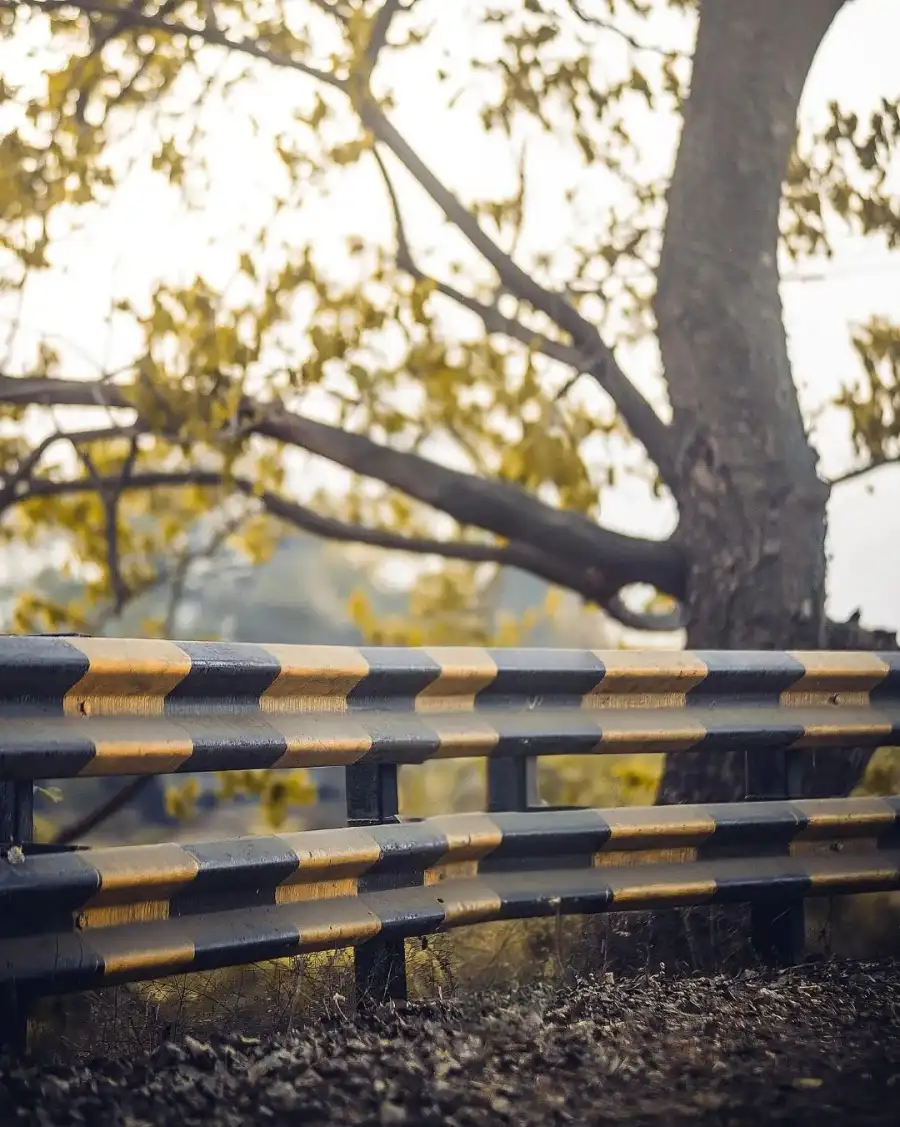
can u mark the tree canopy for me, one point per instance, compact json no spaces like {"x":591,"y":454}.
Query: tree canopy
{"x":491,"y":355}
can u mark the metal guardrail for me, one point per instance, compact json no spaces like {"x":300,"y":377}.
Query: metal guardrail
{"x":80,"y":920}
{"x":80,"y":706}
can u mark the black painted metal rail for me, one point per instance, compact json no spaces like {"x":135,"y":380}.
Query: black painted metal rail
{"x":84,"y":707}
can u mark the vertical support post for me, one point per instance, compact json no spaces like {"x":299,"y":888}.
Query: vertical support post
{"x":512,"y":783}
{"x":380,"y":964}
{"x":16,"y":829}
{"x":16,"y":812}
{"x":777,"y":926}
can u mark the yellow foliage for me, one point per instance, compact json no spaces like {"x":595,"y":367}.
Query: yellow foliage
{"x":458,"y":786}
{"x":882,"y":775}
{"x":600,"y":780}
{"x":276,"y":792}
{"x":181,"y":800}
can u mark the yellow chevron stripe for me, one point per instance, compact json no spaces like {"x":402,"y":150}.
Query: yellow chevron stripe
{"x":337,"y":746}
{"x":132,"y":954}
{"x":470,"y":837}
{"x":331,"y":854}
{"x":843,"y":817}
{"x":453,"y":870}
{"x":154,"y":872}
{"x":465,"y":671}
{"x":142,"y":912}
{"x":835,"y":678}
{"x":639,"y":827}
{"x":466,"y":734}
{"x":333,"y":923}
{"x":696,"y":886}
{"x":632,"y":680}
{"x":653,"y":856}
{"x":626,"y":729}
{"x":468,"y":902}
{"x":842,"y":727}
{"x":123,"y":746}
{"x":313,"y":678}
{"x":865,"y":870}
{"x":300,"y":893}
{"x":125,"y":676}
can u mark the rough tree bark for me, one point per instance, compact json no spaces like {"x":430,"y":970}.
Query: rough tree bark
{"x":752,"y":506}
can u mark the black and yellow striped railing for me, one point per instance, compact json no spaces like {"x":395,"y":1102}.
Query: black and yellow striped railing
{"x":77,"y":920}
{"x":85,"y":707}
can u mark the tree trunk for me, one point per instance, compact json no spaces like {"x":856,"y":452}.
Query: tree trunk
{"x":752,"y":507}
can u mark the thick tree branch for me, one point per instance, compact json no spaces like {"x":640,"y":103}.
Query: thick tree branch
{"x":595,"y":582}
{"x":381,"y":27}
{"x":585,"y":559}
{"x":494,"y":506}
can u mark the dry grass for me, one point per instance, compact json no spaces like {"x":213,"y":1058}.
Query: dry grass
{"x":278,"y":996}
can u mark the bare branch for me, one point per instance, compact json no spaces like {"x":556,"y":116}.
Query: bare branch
{"x":596,"y":358}
{"x":861,"y":471}
{"x":17,"y":480}
{"x":110,"y":491}
{"x":490,"y":315}
{"x":104,"y":812}
{"x":208,"y":33}
{"x":178,"y":576}
{"x":607,"y":25}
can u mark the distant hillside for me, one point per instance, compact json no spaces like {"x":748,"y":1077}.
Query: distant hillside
{"x":301,"y":595}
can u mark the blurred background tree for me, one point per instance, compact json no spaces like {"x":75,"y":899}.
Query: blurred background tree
{"x":464,"y":380}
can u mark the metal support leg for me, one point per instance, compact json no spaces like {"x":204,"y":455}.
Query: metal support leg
{"x":777,"y":926}
{"x":512,"y":784}
{"x":16,"y":829}
{"x":380,"y":964}
{"x":16,"y":812}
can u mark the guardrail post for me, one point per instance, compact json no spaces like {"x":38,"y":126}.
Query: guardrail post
{"x":16,"y":829}
{"x":380,"y":964}
{"x":777,"y":926}
{"x":512,"y":784}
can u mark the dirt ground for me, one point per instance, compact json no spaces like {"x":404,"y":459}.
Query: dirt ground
{"x":818,"y":1044}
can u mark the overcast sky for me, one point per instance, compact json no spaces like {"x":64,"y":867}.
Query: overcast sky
{"x":145,"y":235}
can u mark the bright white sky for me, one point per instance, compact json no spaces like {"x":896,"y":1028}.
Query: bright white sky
{"x":145,"y":235}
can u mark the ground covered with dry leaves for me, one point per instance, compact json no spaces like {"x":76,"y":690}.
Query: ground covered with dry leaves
{"x":815,"y":1044}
